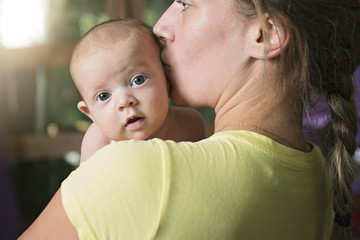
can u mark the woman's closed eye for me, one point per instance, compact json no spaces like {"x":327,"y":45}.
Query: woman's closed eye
{"x":183,"y":4}
{"x":138,"y":80}
{"x":103,"y":96}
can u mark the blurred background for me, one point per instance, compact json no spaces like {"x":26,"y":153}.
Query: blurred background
{"x":40,"y":126}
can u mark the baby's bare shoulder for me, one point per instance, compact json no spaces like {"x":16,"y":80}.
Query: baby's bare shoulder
{"x":189,"y":122}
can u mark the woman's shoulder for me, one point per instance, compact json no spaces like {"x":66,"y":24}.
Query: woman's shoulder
{"x":129,"y":152}
{"x":251,"y":143}
{"x":119,"y":182}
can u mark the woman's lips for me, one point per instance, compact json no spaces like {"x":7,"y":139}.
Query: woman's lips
{"x":164,"y":58}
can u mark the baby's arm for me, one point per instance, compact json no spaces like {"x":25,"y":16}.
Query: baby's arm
{"x":93,"y":140}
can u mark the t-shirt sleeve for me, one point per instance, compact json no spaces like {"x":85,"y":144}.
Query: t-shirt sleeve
{"x":119,"y":192}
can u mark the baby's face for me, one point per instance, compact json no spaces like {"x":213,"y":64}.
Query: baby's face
{"x":124,"y":89}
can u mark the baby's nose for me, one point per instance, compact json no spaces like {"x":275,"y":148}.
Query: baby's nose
{"x":127,"y":101}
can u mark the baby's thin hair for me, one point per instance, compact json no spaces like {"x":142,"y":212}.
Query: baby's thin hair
{"x":110,"y":32}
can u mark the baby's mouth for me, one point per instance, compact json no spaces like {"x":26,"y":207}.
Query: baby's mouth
{"x":133,"y":120}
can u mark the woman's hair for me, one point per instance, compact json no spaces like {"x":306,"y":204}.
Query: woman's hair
{"x":323,"y":54}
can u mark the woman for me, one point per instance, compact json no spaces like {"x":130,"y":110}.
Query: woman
{"x":257,"y":63}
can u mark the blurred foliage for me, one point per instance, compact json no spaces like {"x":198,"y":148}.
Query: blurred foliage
{"x":87,"y":21}
{"x":17,"y":105}
{"x":154,"y":9}
{"x":69,"y":19}
{"x":63,"y":98}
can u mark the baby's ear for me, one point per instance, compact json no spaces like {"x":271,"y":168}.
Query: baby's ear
{"x":84,"y":109}
{"x":273,"y":38}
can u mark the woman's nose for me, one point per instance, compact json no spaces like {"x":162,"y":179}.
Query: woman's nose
{"x":164,"y":27}
{"x":127,"y":101}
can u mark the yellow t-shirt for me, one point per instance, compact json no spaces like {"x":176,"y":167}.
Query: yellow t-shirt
{"x":233,"y":185}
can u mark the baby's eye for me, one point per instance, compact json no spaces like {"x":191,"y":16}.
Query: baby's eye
{"x":137,"y":80}
{"x":103,"y":96}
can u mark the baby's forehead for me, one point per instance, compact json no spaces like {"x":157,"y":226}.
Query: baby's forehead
{"x":111,"y":33}
{"x":121,"y":35}
{"x":105,"y":39}
{"x":109,"y":36}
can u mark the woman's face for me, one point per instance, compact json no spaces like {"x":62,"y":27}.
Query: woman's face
{"x":204,"y":50}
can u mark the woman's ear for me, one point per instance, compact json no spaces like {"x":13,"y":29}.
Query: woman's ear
{"x":84,"y":109}
{"x":270,"y":40}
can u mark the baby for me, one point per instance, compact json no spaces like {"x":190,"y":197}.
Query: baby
{"x":117,"y":70}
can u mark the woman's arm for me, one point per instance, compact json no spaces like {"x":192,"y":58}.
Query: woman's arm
{"x":102,"y":195}
{"x":52,"y":223}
